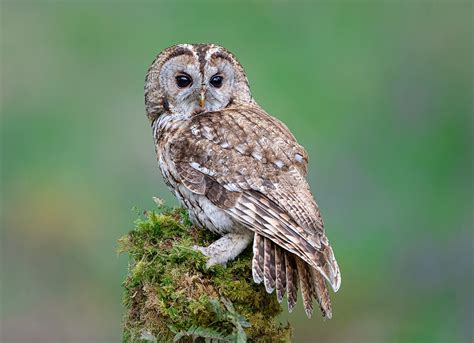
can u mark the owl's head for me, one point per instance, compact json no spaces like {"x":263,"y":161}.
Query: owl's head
{"x":187,"y":79}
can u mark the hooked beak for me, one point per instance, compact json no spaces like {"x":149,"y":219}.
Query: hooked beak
{"x":202,"y":98}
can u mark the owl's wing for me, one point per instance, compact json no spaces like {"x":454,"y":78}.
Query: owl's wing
{"x":249,"y":164}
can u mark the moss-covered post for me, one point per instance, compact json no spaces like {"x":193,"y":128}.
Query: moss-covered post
{"x":171,"y":296}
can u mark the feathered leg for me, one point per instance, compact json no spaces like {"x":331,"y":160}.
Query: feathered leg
{"x":226,"y":248}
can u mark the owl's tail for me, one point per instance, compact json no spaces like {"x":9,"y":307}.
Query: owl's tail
{"x":285,"y":272}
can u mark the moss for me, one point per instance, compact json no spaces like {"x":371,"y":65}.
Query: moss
{"x":169,"y":293}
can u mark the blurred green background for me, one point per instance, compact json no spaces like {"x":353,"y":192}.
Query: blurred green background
{"x":380,"y":94}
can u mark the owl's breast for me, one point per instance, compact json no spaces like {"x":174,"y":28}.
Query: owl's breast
{"x":202,"y":212}
{"x":165,"y":129}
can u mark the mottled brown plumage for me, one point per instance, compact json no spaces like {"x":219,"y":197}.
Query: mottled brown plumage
{"x":280,"y":270}
{"x":269,"y":266}
{"x":304,"y":275}
{"x":239,"y":172}
{"x":291,"y":280}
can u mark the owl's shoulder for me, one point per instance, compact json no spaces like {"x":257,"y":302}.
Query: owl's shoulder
{"x":242,"y":140}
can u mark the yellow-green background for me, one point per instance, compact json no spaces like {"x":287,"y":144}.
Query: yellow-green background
{"x":380,"y":94}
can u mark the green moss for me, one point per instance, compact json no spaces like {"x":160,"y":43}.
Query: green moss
{"x":169,"y":293}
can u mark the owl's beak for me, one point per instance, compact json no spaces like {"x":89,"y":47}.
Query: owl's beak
{"x":202,"y":98}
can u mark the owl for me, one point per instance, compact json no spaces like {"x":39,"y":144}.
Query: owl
{"x":239,"y":172}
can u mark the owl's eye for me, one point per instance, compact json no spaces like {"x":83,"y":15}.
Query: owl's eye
{"x":216,"y":81}
{"x":183,"y":80}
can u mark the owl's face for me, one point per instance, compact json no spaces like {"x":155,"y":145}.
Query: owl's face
{"x":189,"y":79}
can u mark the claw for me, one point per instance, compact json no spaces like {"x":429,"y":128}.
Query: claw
{"x":200,"y":249}
{"x":212,"y":260}
{"x":225,"y":248}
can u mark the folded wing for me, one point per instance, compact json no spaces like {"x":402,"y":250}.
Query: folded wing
{"x":248,"y":164}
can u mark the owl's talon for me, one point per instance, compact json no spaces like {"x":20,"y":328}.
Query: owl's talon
{"x":200,"y":249}
{"x":212,"y":260}
{"x":225,"y":248}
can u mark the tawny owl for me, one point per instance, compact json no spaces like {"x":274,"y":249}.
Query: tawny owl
{"x":239,"y":172}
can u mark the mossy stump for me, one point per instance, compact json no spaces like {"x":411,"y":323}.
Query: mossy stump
{"x":170,"y":295}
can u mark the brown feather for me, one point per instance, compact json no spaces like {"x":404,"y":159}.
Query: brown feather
{"x":291,"y":280}
{"x":280,"y":267}
{"x":330,"y":267}
{"x":257,"y":261}
{"x":306,"y":286}
{"x":269,"y":266}
{"x":321,"y":294}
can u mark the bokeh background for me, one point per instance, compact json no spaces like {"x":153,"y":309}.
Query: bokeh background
{"x":380,"y":94}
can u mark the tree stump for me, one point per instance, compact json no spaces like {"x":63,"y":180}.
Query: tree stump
{"x":170,"y":295}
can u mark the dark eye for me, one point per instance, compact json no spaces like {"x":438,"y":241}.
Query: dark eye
{"x":183,"y":80}
{"x":216,"y":81}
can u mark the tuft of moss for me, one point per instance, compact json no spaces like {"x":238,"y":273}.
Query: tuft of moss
{"x":171,"y":296}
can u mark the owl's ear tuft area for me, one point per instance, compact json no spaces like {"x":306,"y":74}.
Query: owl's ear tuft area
{"x":169,"y":294}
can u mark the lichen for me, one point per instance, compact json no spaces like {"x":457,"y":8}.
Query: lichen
{"x":171,"y":295}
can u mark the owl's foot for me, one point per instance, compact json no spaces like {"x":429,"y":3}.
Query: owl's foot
{"x":226,"y":248}
{"x":212,"y":260}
